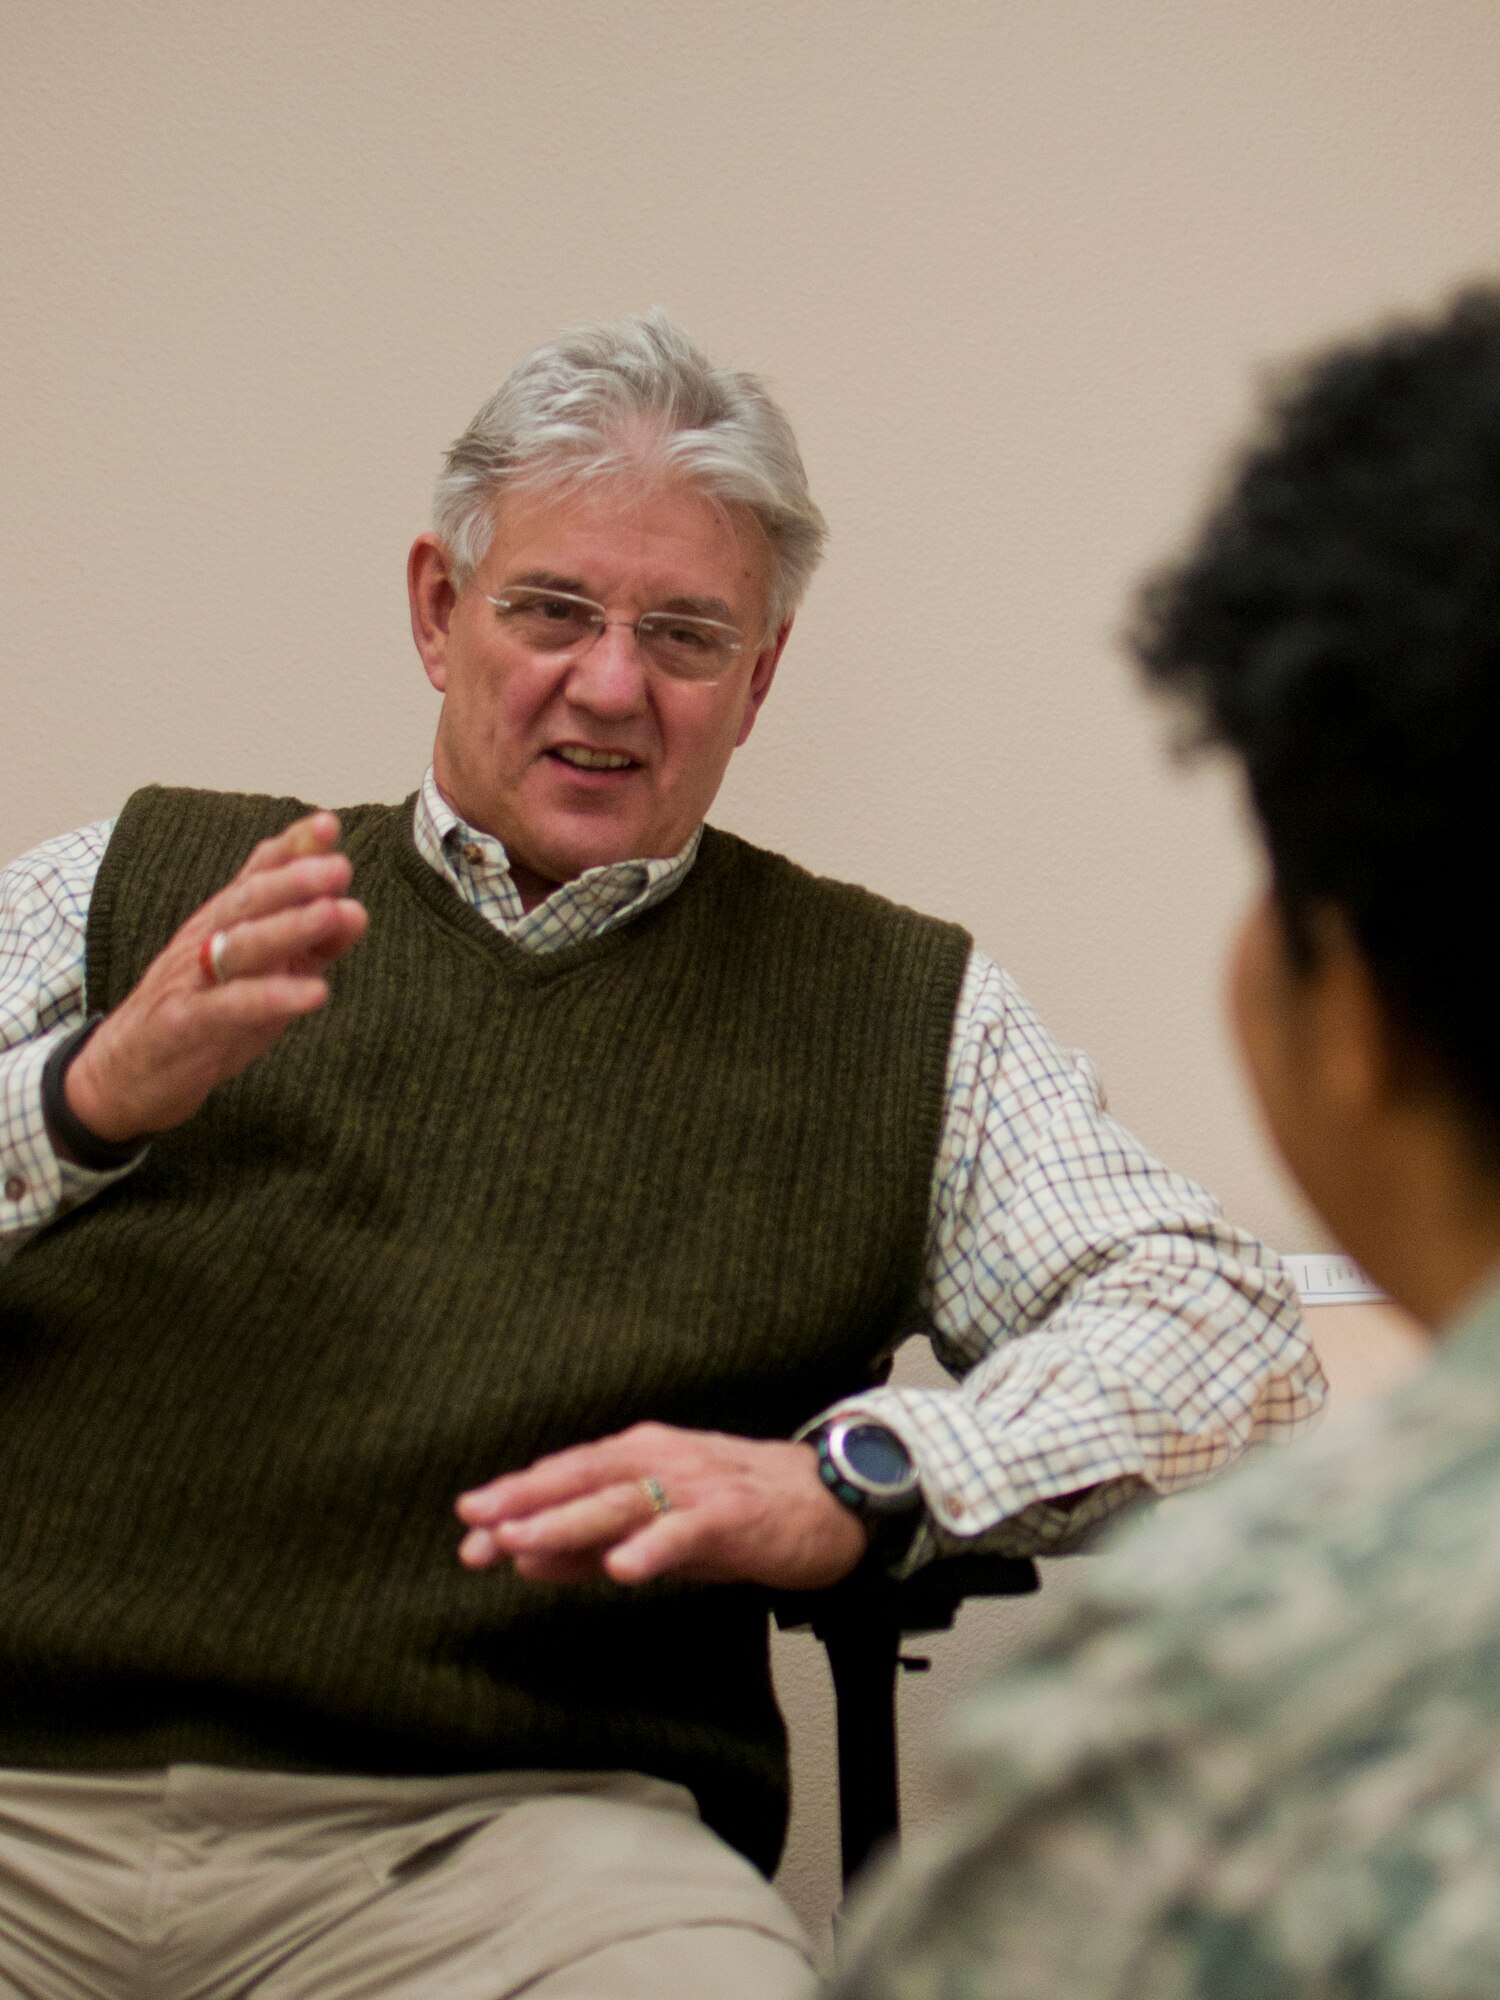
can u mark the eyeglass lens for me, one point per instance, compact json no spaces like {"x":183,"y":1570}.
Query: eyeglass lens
{"x":546,"y":621}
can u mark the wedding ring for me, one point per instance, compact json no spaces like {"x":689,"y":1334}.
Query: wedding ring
{"x":211,"y":958}
{"x":657,"y":1494}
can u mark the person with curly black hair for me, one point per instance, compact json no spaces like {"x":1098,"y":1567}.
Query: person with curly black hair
{"x":1259,"y":1752}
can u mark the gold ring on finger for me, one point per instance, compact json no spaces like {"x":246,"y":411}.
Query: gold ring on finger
{"x":657,"y":1494}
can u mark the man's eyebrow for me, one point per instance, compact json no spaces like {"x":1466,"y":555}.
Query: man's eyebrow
{"x":698,"y":607}
{"x":547,"y":579}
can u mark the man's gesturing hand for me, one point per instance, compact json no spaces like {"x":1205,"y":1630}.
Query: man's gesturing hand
{"x":742,"y":1510}
{"x":154,"y":1059}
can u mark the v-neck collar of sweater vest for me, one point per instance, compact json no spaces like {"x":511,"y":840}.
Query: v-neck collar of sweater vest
{"x":443,"y":902}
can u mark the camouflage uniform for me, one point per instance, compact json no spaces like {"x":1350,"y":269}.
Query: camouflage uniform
{"x":1258,"y":1755}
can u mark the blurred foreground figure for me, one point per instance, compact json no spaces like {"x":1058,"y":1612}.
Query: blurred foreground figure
{"x":1260,"y":1756}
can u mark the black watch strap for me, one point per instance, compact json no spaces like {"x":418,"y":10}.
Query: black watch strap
{"x":891,"y":1535}
{"x":71,"y":1138}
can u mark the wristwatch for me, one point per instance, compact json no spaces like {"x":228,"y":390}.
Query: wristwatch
{"x":866,"y":1468}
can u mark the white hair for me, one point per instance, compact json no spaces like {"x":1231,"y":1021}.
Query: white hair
{"x":635,"y":395}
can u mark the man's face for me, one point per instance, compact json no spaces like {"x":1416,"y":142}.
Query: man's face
{"x":514,"y":722}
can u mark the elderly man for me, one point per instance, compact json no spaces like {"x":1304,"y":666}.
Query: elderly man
{"x":598,"y":1195}
{"x":1258,"y":1758}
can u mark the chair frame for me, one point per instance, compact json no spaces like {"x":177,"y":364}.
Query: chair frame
{"x":861,"y":1623}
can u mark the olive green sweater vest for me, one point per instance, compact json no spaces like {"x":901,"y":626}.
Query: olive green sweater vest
{"x":482,"y":1206}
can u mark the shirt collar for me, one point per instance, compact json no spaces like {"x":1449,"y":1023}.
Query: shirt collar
{"x":597,"y":901}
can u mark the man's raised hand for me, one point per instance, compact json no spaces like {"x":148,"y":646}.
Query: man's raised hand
{"x":658,"y":1501}
{"x":180,"y":1030}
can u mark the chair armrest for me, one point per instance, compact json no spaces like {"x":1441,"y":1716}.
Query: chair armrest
{"x":926,"y":1601}
{"x":861,"y":1622}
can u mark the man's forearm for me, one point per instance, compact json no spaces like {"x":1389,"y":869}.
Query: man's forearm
{"x":1110,"y":1329}
{"x":1148,"y":1376}
{"x":44,"y":903}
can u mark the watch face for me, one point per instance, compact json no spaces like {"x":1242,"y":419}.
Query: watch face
{"x":877,"y":1457}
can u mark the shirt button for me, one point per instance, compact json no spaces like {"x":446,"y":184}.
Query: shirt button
{"x":954,"y":1508}
{"x":473,"y":854}
{"x":15,"y":1187}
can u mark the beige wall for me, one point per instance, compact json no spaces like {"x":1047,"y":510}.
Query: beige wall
{"x":1009,"y":265}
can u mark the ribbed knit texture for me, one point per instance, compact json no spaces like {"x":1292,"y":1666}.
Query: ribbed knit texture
{"x":482,"y":1206}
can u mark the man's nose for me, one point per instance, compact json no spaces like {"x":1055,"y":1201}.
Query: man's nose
{"x":609,"y":676}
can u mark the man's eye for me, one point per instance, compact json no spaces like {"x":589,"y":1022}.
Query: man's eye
{"x":691,"y":637}
{"x":557,"y":609}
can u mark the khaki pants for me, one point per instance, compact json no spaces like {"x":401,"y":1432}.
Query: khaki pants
{"x":197,"y":1882}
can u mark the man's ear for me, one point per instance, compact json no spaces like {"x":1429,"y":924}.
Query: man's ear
{"x":431,"y":595}
{"x":761,"y":676}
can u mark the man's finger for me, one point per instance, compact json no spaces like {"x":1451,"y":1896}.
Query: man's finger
{"x":671,"y":1542}
{"x":295,"y":938}
{"x":260,"y":895}
{"x":478,"y":1549}
{"x":565,"y":1475}
{"x":680,"y":1540}
{"x":591,"y":1522}
{"x":253,"y":1004}
{"x":314,"y":833}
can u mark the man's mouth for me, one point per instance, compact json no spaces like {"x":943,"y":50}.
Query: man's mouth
{"x":583,"y":759}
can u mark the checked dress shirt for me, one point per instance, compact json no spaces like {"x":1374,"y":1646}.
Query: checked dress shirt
{"x":1109,"y":1331}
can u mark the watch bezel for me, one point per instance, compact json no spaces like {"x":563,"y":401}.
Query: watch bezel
{"x":873,"y":1495}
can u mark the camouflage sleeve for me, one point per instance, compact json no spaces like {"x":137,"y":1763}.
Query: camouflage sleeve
{"x":1057,"y":1881}
{"x":1258,"y":1758}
